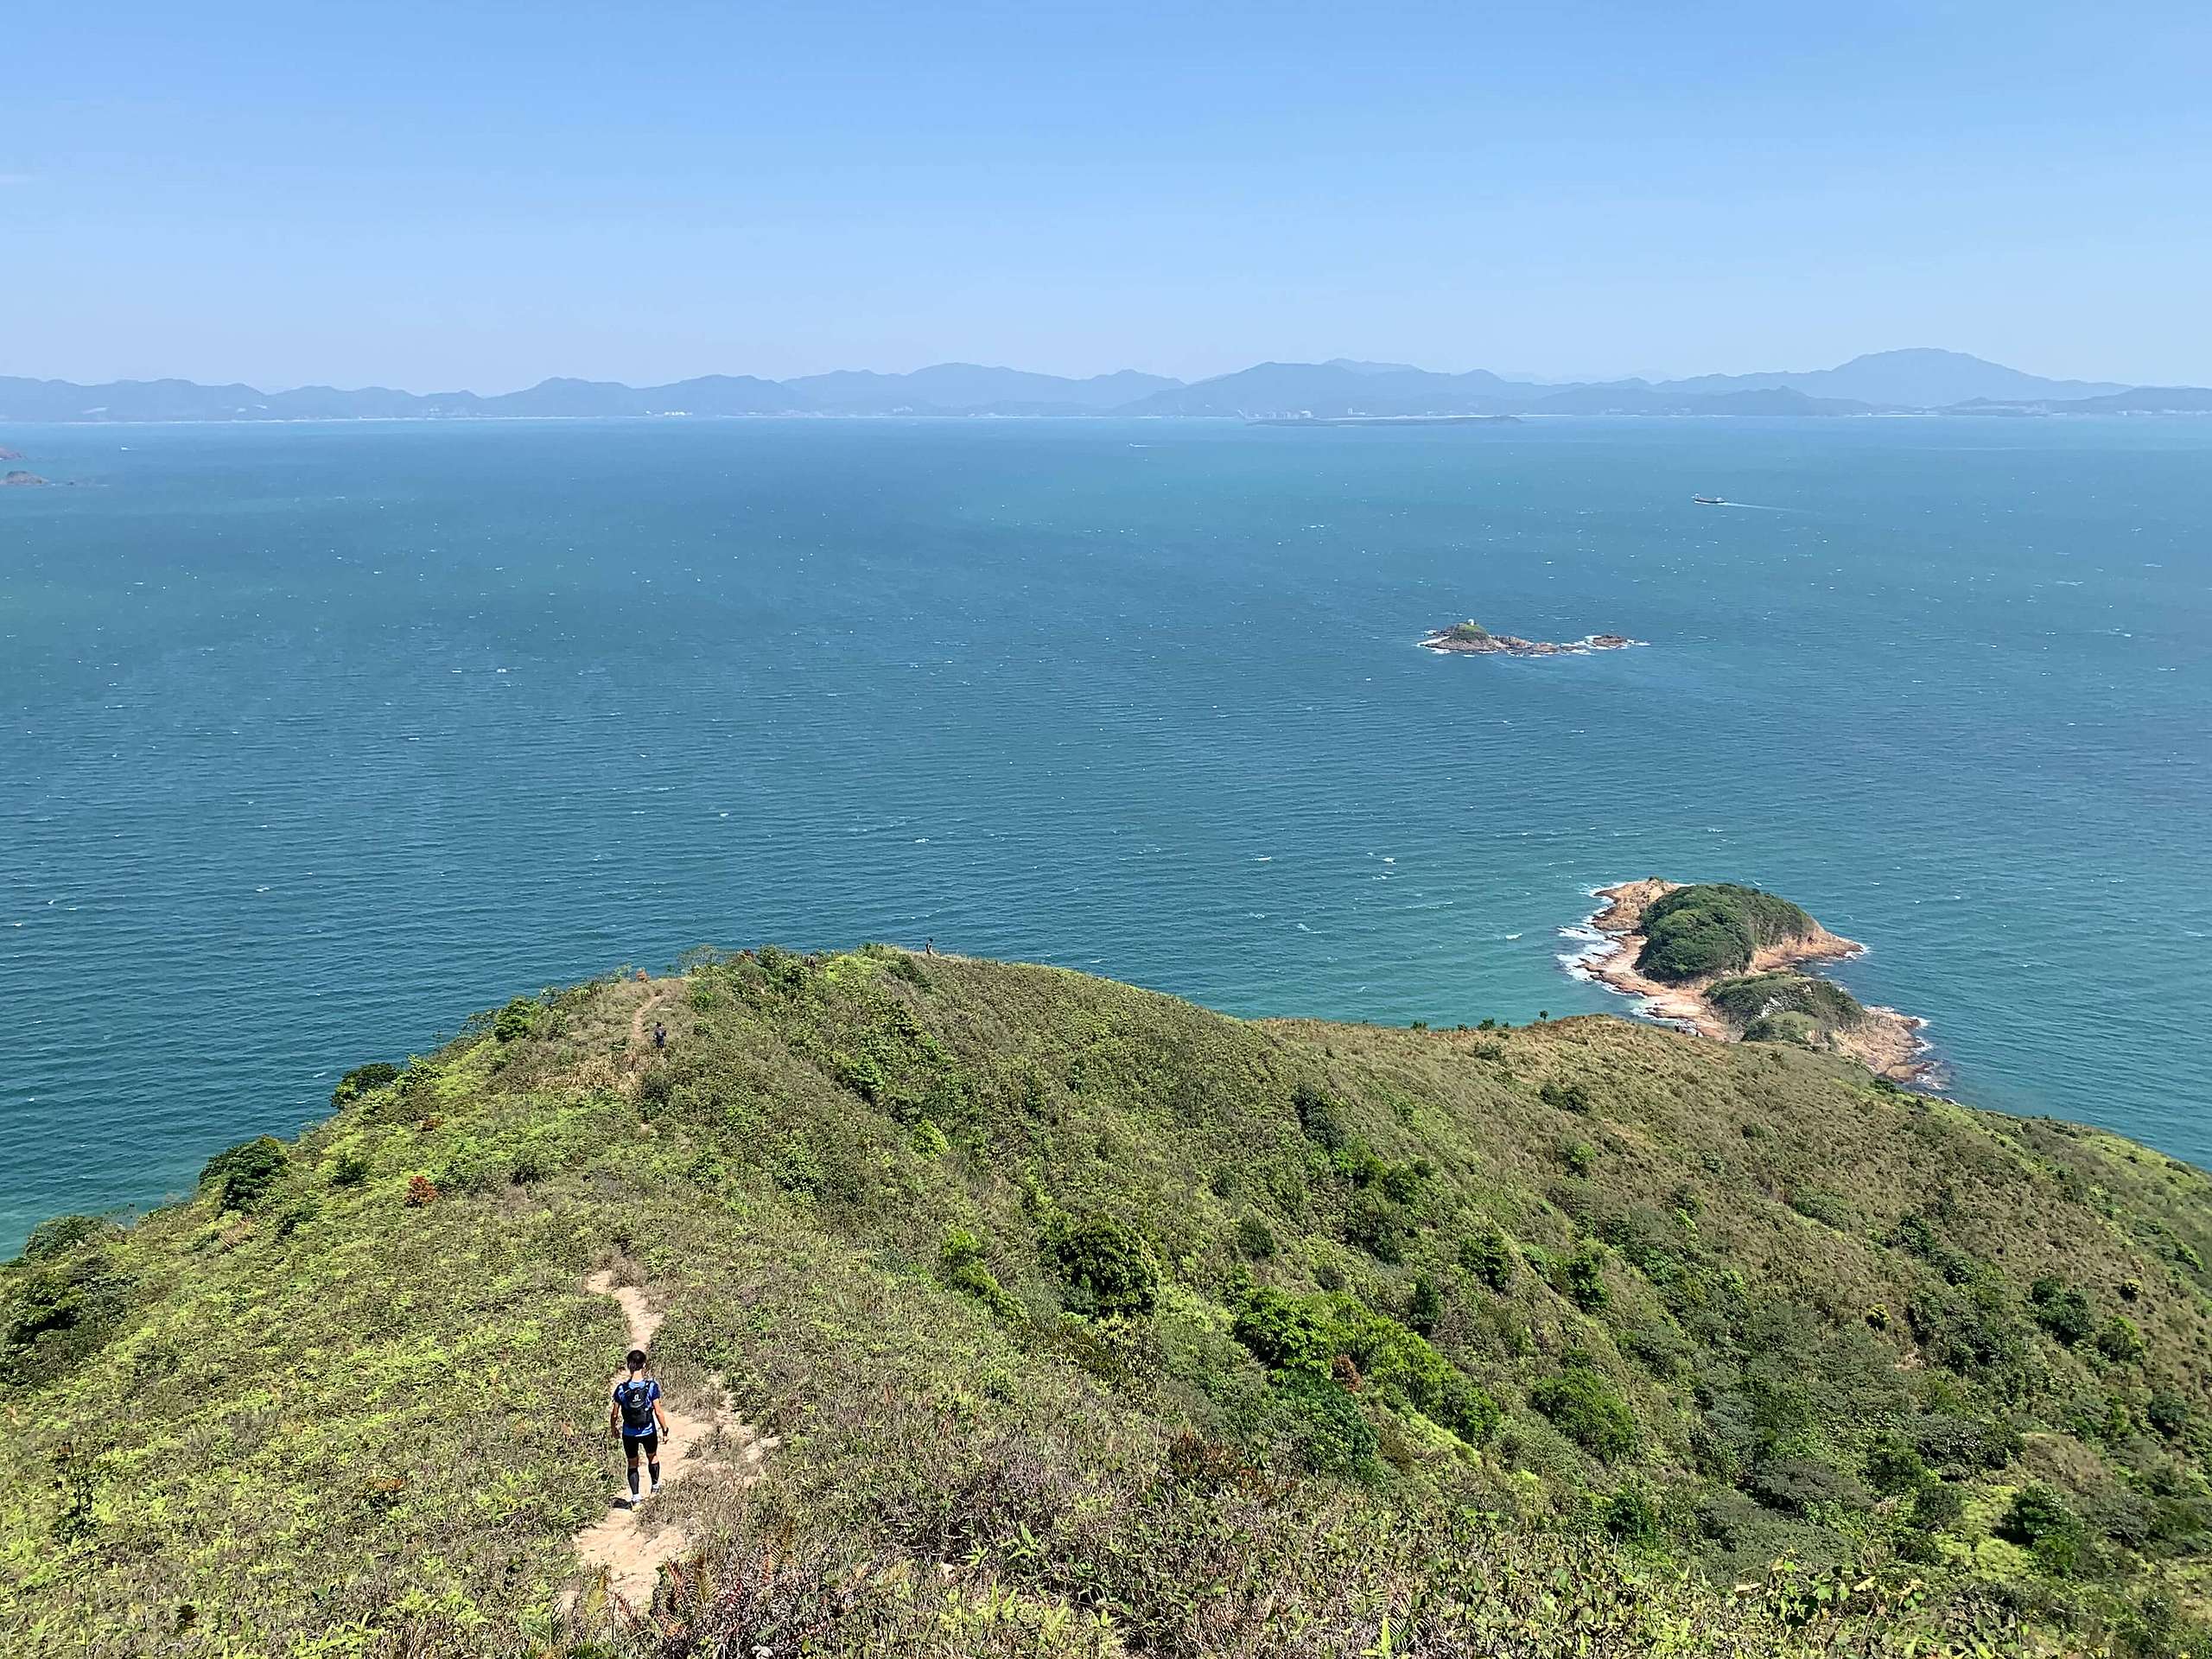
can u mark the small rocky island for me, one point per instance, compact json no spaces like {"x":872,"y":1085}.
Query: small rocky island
{"x":1722,"y":959}
{"x":6,"y":454}
{"x":1470,"y":639}
{"x":20,"y":479}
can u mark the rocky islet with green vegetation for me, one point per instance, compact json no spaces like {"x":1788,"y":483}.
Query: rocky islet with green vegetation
{"x":1085,"y":1321}
{"x":1470,"y":639}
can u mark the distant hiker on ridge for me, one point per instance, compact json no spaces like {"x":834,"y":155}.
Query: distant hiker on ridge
{"x":634,"y":1413}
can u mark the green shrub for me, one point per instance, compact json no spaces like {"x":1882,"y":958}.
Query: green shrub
{"x":58,"y":1313}
{"x":1581,"y":1277}
{"x":794,"y":1166}
{"x":1425,"y":1304}
{"x":1254,"y":1238}
{"x":244,"y":1175}
{"x":2061,"y":1310}
{"x":362,"y":1079}
{"x":1818,"y":1204}
{"x":64,"y":1234}
{"x":349,"y":1169}
{"x":1377,"y":1226}
{"x":1107,"y":1263}
{"x":862,"y":1075}
{"x":1317,"y":1116}
{"x":1894,"y":1466}
{"x":1580,"y":1157}
{"x":1803,"y":1486}
{"x":2040,"y":1523}
{"x":902,"y":965}
{"x":2168,"y":1412}
{"x":1488,"y":1256}
{"x":1630,"y":1517}
{"x":1285,"y":1333}
{"x":1584,"y":1405}
{"x":1569,"y":1096}
{"x":1320,"y":1425}
{"x":1938,"y":1505}
{"x":961,"y":1257}
{"x":1465,"y":1409}
{"x":519,"y":1019}
{"x":2120,"y":1339}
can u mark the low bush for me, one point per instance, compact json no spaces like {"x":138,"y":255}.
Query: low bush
{"x":362,"y":1079}
{"x":518,"y":1019}
{"x":1894,"y":1466}
{"x":2039,"y":1521}
{"x":2120,"y":1339}
{"x":245,"y":1174}
{"x":1488,"y":1256}
{"x":1584,"y":1405}
{"x":1581,"y":1277}
{"x":960,"y":1258}
{"x":1284,"y":1333}
{"x":65,"y":1233}
{"x":1320,"y":1426}
{"x":1254,"y":1238}
{"x":1317,"y":1118}
{"x":1569,"y":1095}
{"x":1107,"y":1264}
{"x":1424,"y":1305}
{"x":2060,"y":1309}
{"x":1803,"y":1486}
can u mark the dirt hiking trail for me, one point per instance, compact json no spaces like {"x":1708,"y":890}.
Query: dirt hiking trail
{"x":659,"y":992}
{"x":628,"y":1547}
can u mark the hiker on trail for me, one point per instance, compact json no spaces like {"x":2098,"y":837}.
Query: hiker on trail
{"x":660,"y":1035}
{"x":635,"y":1413}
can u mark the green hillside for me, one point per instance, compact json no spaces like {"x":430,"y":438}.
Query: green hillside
{"x":1093,"y":1323}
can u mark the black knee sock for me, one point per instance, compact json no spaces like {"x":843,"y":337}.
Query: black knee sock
{"x":652,"y":1465}
{"x":634,"y":1479}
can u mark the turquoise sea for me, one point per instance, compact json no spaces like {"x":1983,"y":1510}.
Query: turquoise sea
{"x":313,"y":739}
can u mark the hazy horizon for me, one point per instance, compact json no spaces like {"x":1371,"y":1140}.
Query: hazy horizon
{"x":431,"y":200}
{"x":1517,"y":377}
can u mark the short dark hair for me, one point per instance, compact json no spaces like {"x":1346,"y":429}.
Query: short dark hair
{"x":634,"y":1359}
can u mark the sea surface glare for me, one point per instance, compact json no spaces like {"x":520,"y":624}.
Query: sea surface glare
{"x":316,"y":738}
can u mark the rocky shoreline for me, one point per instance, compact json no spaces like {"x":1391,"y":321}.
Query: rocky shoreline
{"x":1888,"y":1043}
{"x":1470,"y":639}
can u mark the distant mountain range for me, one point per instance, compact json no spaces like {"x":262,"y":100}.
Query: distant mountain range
{"x":1882,"y":382}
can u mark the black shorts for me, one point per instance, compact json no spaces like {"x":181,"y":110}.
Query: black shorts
{"x":648,"y":1443}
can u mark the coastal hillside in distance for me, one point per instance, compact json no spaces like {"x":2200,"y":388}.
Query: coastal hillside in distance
{"x":1881,"y":382}
{"x":1008,"y":1311}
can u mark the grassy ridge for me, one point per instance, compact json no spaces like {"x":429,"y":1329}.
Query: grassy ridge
{"x":1095,"y":1323}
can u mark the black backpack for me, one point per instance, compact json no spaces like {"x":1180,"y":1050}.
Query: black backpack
{"x":635,"y":1396}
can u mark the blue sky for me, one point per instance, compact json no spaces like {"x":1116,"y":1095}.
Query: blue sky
{"x":478,"y":194}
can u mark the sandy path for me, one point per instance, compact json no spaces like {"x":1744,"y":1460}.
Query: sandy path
{"x":628,"y":1547}
{"x":659,"y":994}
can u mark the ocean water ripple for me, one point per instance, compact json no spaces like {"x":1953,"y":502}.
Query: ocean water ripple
{"x":317,"y":737}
